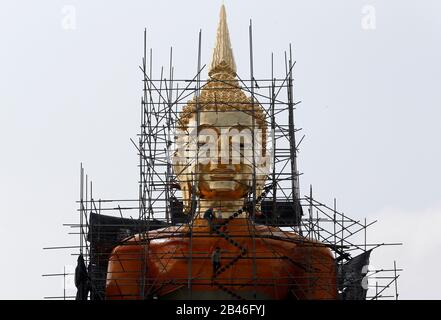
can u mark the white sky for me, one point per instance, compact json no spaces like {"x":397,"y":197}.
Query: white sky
{"x":370,"y":110}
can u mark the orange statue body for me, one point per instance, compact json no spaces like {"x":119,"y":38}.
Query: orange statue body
{"x":286,"y":266}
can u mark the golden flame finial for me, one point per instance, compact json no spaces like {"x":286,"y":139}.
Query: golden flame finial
{"x":222,"y":59}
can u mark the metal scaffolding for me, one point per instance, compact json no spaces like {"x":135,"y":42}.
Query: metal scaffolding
{"x":105,"y":223}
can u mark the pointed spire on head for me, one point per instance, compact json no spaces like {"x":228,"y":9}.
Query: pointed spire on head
{"x":222,"y":59}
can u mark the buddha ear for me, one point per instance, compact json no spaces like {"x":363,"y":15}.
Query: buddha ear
{"x":186,"y":197}
{"x":259,"y":190}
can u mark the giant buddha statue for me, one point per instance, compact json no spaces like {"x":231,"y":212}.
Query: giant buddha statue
{"x":221,"y":163}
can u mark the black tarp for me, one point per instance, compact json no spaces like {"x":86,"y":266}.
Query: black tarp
{"x":106,"y":232}
{"x":351,"y":277}
{"x":82,"y":281}
{"x":280,"y":213}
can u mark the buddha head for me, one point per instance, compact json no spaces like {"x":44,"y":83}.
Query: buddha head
{"x":221,"y":137}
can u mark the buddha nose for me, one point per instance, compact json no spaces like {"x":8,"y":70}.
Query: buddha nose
{"x":223,"y":161}
{"x":225,"y":166}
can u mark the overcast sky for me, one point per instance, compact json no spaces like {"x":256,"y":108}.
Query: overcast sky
{"x":368,"y":74}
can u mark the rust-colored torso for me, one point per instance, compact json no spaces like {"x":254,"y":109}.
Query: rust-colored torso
{"x":257,"y":262}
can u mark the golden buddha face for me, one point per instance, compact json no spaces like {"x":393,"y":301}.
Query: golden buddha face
{"x":215,"y":140}
{"x":216,"y":156}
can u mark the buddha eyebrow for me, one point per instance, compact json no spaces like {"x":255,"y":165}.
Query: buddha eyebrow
{"x":208,"y":126}
{"x":240,"y":127}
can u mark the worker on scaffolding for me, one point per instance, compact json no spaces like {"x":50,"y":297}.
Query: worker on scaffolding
{"x":215,"y":259}
{"x":209,"y":215}
{"x":219,"y":213}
